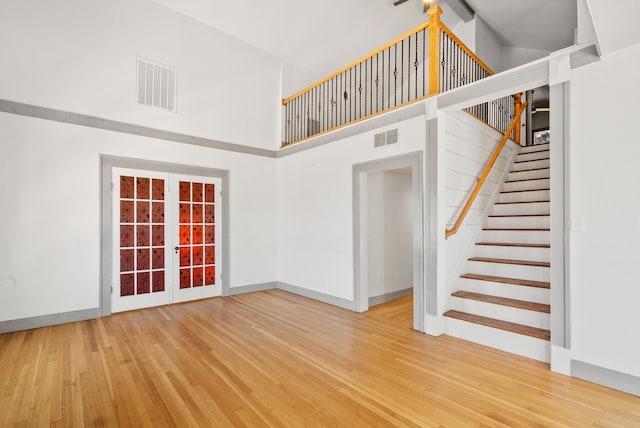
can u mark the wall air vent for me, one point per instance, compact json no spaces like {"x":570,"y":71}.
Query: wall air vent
{"x":156,"y":85}
{"x":385,"y":138}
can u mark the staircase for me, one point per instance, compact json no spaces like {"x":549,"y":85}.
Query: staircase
{"x":504,"y":297}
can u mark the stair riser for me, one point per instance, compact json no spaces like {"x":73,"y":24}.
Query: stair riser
{"x":511,"y":291}
{"x":515,"y":253}
{"x":534,"y":222}
{"x":544,"y":163}
{"x":533,"y":273}
{"x":505,"y":340}
{"x":500,"y":312}
{"x":519,"y":209}
{"x":527,"y":175}
{"x":526,"y":185}
{"x":532,"y":156}
{"x":527,"y":237}
{"x":534,"y":195}
{"x":533,"y":149}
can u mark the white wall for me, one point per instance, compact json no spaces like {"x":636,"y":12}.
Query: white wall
{"x":514,"y":56}
{"x":50,"y":216}
{"x":390,"y":234}
{"x":488,"y":45}
{"x":315,"y":208}
{"x":604,"y":176}
{"x":467,"y":146}
{"x":80,"y":56}
{"x":616,"y":25}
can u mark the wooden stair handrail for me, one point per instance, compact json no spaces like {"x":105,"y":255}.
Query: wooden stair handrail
{"x":485,"y":173}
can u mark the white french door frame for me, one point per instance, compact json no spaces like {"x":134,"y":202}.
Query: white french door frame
{"x":107,"y":222}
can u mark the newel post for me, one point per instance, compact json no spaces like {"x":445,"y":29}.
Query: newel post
{"x":434,"y":13}
{"x":517,"y":102}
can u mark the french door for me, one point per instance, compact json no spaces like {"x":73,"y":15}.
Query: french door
{"x":166,"y":227}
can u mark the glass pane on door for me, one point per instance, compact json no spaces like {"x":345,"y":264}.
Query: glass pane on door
{"x":198,"y":204}
{"x":140,"y":232}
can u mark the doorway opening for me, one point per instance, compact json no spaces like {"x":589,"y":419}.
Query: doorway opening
{"x":388,"y":241}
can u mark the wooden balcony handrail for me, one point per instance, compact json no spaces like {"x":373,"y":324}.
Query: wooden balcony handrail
{"x":487,"y":169}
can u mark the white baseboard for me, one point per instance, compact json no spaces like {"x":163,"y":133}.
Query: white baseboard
{"x":606,"y":377}
{"x":390,"y":297}
{"x":316,"y":295}
{"x":48,"y":320}
{"x":233,"y":291}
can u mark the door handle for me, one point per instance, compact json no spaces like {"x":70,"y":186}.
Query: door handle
{"x":177,"y":249}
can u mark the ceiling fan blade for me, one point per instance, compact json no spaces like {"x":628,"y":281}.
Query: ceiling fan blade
{"x":398,"y":2}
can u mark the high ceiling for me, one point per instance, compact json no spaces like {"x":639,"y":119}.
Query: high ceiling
{"x":325,"y":35}
{"x":546,"y":25}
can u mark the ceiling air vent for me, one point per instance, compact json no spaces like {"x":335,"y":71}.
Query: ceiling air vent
{"x":385,"y":138}
{"x":156,"y":85}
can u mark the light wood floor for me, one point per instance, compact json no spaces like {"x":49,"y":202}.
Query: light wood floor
{"x":276,"y":359}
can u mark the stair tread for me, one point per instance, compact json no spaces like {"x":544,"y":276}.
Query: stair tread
{"x":527,"y":179}
{"x":509,"y":261}
{"x":502,"y":325}
{"x":536,"y":146}
{"x":532,"y":169}
{"x":531,"y":160}
{"x":526,"y":190}
{"x":514,"y":244}
{"x":514,"y":229}
{"x":504,"y":301}
{"x":506,"y":280}
{"x":523,"y":202}
{"x":519,"y":215}
{"x":534,"y":151}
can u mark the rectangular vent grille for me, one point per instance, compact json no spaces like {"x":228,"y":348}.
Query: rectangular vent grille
{"x":156,"y":85}
{"x":385,"y":138}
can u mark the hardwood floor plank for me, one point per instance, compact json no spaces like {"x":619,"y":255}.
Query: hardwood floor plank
{"x":280,"y":360}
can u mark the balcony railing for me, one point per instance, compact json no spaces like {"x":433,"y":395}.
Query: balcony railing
{"x":422,"y":62}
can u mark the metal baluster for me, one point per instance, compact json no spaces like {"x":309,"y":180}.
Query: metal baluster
{"x":382,"y":83}
{"x":395,"y":74}
{"x":366,"y":86}
{"x":350,"y":94}
{"x":339,"y":100}
{"x":377,"y":82}
{"x":336,"y":102}
{"x":424,"y":63}
{"x":449,"y":60}
{"x":456,"y":75}
{"x":442,"y":60}
{"x":401,"y":71}
{"x":359,"y":90}
{"x":389,"y":77}
{"x":287,"y":129}
{"x":315,"y":113}
{"x":309,"y":110}
{"x":416,"y":67}
{"x":286,"y":124}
